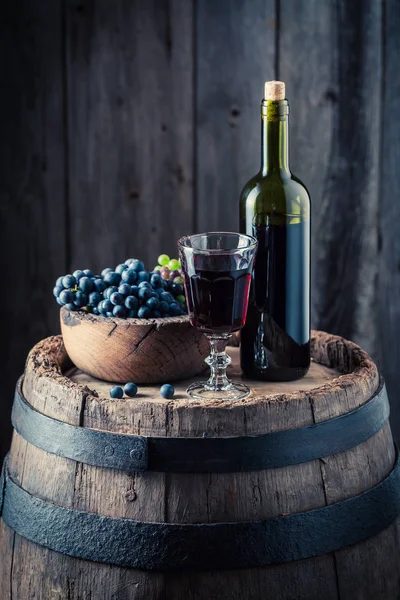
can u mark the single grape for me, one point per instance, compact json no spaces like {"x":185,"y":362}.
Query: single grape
{"x":78,"y":274}
{"x":59,"y":281}
{"x":174,"y":264}
{"x":174,"y":274}
{"x":117,"y":299}
{"x":59,"y":302}
{"x":101,"y":309}
{"x":66,"y":297}
{"x":105,"y":271}
{"x":166,"y":297}
{"x":156,"y":314}
{"x":108,"y":306}
{"x":167,"y":391}
{"x":87,"y":308}
{"x":120,"y":268}
{"x":156,"y":280}
{"x":145,"y":284}
{"x":134,"y":290}
{"x":158,"y":268}
{"x":80,"y":299}
{"x":175,"y":309}
{"x":131,"y":302}
{"x":132,"y":314}
{"x":70,"y":306}
{"x":163,"y":307}
{"x":144,"y":293}
{"x":153,"y":304}
{"x":86,"y":285}
{"x":117,"y":392}
{"x":100,"y":285}
{"x":109,"y":314}
{"x":136,"y":264}
{"x":94,"y":298}
{"x":96,"y":310}
{"x":124,"y":289}
{"x":163,"y":259}
{"x":177,"y":289}
{"x":178,"y":280}
{"x":129,"y":276}
{"x":144,"y":312}
{"x":57,"y":290}
{"x":181,"y":299}
{"x":112,"y":278}
{"x":130,"y":389}
{"x":88,"y":272}
{"x":69,"y":281}
{"x":110,"y":290}
{"x":143,"y":276}
{"x":165,"y":273}
{"x":154,"y":294}
{"x":120,"y":312}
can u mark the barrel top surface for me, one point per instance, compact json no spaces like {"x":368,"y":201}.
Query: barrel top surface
{"x":317,"y":376}
{"x":342,"y":376}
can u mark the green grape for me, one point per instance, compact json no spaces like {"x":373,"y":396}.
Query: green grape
{"x":157,"y":268}
{"x":181,"y":299}
{"x":178,"y":280}
{"x":174,"y":264}
{"x":163,"y":260}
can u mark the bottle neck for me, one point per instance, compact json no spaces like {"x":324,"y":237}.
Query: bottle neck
{"x":275,"y":137}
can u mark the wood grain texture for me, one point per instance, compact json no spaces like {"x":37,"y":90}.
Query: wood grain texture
{"x":113,"y":113}
{"x":143,"y":351}
{"x":389,"y":266}
{"x":235,"y":55}
{"x":330,"y":57}
{"x":130,"y":129}
{"x":32,"y":203}
{"x":194,"y":498}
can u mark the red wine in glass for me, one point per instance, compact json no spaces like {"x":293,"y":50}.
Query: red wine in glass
{"x":217,"y":273}
{"x":217,"y":300}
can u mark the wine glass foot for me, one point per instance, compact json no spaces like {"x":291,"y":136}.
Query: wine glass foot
{"x":232,"y":391}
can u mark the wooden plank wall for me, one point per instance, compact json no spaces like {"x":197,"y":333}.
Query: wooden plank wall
{"x":127,"y":124}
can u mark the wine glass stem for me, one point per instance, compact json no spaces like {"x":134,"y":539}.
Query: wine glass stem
{"x":218,"y":362}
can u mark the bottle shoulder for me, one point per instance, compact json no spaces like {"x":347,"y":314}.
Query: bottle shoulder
{"x":273,"y":193}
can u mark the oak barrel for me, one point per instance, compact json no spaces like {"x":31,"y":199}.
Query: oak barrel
{"x":290,"y":494}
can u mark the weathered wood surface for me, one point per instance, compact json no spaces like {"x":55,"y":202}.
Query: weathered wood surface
{"x":150,"y":351}
{"x":330,"y":59}
{"x":33,"y":236}
{"x":125,"y":124}
{"x":129,"y":70}
{"x":389,"y":226}
{"x":194,"y":498}
{"x":235,"y":48}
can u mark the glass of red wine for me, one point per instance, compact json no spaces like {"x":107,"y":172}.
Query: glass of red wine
{"x":217,"y":273}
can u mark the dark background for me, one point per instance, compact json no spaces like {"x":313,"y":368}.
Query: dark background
{"x":125,"y":124}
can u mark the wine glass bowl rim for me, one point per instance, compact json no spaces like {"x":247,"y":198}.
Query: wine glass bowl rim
{"x":252,"y":242}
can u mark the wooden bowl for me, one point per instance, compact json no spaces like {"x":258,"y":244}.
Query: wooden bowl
{"x":139,"y":350}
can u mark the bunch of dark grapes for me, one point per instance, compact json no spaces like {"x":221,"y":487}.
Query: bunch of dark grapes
{"x":128,"y":291}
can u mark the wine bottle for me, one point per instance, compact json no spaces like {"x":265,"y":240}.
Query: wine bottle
{"x":275,"y":209}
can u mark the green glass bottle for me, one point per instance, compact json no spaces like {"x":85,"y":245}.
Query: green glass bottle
{"x":275,"y":209}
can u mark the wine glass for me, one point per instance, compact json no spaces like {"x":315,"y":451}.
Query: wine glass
{"x":217,"y":270}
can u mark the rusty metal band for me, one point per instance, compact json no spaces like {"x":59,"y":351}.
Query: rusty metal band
{"x":200,"y":547}
{"x":133,"y":453}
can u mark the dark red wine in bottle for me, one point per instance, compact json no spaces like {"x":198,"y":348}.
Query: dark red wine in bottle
{"x":275,"y":209}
